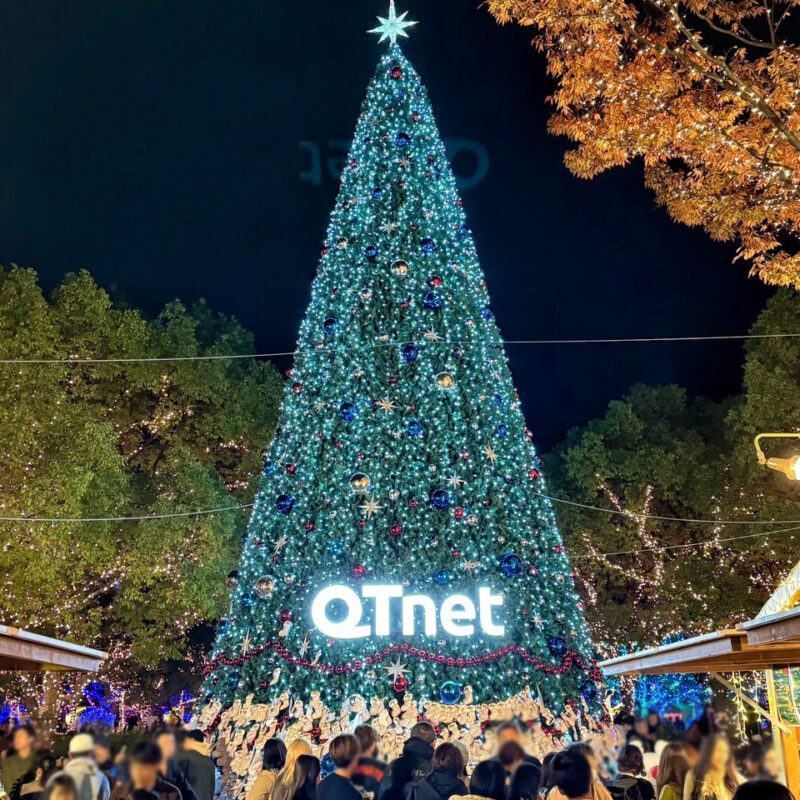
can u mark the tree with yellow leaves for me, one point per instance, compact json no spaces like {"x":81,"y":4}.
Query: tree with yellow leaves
{"x":704,"y":91}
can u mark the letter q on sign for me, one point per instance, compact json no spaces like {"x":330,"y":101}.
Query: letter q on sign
{"x":348,"y":628}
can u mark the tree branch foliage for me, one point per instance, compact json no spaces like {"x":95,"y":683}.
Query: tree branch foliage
{"x":704,"y":91}
{"x":656,"y":452}
{"x":123,"y":439}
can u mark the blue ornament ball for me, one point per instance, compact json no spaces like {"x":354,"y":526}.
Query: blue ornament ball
{"x":440,"y":498}
{"x":409,"y":352}
{"x":450,"y":693}
{"x":433,"y":300}
{"x":284,"y":503}
{"x":377,"y":192}
{"x":511,"y":565}
{"x":414,"y":428}
{"x":486,"y":313}
{"x":557,"y":646}
{"x":331,"y":325}
{"x":326,"y":765}
{"x":347,"y":411}
{"x":498,"y":401}
{"x":502,"y":430}
{"x":428,"y":245}
{"x":443,"y":577}
{"x":402,"y":139}
{"x":336,"y":547}
{"x":588,"y":690}
{"x":371,"y":251}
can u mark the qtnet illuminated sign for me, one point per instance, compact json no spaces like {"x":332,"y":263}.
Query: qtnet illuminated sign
{"x":458,"y":613}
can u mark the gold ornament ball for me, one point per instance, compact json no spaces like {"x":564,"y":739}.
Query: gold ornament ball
{"x":444,"y":380}
{"x":359,"y":482}
{"x":264,"y":587}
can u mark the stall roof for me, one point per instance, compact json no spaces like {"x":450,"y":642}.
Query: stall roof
{"x":722,"y":651}
{"x":23,"y":650}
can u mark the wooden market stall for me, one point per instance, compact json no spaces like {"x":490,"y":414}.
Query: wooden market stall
{"x":770,"y":643}
{"x":23,"y":650}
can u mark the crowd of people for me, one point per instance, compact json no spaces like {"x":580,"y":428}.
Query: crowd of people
{"x":649,"y":761}
{"x":167,"y":765}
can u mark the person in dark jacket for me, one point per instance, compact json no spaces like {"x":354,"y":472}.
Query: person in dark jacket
{"x":193,"y":761}
{"x":414,"y":765}
{"x":145,"y":776}
{"x":170,"y":771}
{"x":370,"y":770}
{"x":629,"y":783}
{"x":344,"y":751}
{"x":445,"y":780}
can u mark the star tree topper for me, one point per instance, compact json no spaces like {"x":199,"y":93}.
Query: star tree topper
{"x":393,"y":26}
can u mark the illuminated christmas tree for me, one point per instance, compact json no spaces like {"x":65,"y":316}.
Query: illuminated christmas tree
{"x":399,"y":548}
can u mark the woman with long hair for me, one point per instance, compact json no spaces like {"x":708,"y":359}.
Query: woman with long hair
{"x":273,"y":760}
{"x":306,"y":778}
{"x":672,"y":769}
{"x":714,"y":777}
{"x":284,"y":780}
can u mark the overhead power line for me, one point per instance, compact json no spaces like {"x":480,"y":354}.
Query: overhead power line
{"x":204,"y":513}
{"x":460,"y":343}
{"x":634,"y":515}
{"x":704,"y":543}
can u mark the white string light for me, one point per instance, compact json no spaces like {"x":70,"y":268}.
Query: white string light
{"x":461,"y":343}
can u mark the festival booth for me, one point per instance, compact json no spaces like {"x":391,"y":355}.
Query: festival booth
{"x":23,"y":650}
{"x":770,"y":643}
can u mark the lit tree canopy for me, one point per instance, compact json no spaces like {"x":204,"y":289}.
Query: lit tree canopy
{"x":117,"y":439}
{"x":657,"y":453}
{"x":704,"y":91}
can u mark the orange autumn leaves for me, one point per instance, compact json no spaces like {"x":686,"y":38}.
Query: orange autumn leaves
{"x":704,"y":91}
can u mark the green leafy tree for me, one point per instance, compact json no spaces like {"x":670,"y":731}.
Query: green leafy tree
{"x":123,"y":439}
{"x":657,"y":453}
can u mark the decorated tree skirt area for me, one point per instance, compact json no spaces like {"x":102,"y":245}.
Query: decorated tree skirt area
{"x":239,"y":732}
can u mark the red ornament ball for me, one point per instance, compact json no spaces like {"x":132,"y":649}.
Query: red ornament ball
{"x":309,"y":526}
{"x":358,"y":570}
{"x":396,"y":72}
{"x":435,"y":280}
{"x":400,"y":685}
{"x":291,"y":469}
{"x":285,"y":615}
{"x":458,"y":512}
{"x":534,"y":474}
{"x":396,"y":530}
{"x":297,"y":387}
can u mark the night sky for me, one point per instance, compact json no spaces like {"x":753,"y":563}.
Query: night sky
{"x":181,"y":148}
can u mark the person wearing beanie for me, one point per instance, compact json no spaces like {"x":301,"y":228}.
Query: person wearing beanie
{"x":90,"y":782}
